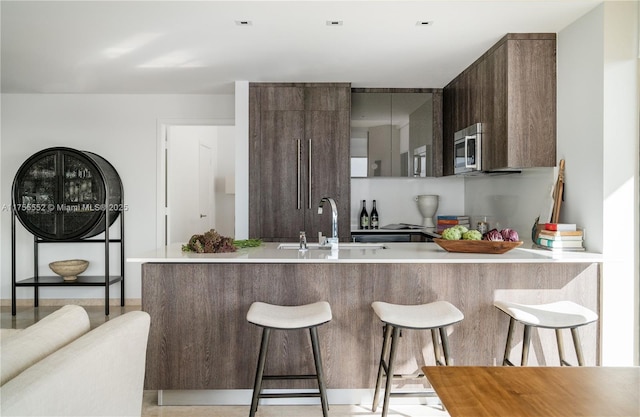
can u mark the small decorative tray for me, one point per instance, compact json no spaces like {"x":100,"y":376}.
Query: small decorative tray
{"x":476,"y":246}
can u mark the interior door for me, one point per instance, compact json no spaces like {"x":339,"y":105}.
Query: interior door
{"x":206,"y":203}
{"x":189,"y":198}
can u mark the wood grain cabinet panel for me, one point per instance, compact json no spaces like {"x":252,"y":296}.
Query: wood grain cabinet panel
{"x":200,"y":338}
{"x":299,"y":153}
{"x":511,"y":89}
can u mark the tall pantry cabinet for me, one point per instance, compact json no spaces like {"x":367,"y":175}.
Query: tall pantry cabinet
{"x":298,"y":153}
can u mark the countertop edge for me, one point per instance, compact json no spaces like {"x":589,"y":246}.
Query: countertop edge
{"x":419,"y":252}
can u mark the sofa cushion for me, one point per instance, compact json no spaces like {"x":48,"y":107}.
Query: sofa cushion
{"x":99,"y":374}
{"x":7,"y":333}
{"x":24,"y":348}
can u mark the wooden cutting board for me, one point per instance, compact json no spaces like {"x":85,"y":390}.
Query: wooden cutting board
{"x":558,"y":192}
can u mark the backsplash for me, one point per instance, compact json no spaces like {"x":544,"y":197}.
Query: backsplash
{"x":395,"y":197}
{"x":512,"y":200}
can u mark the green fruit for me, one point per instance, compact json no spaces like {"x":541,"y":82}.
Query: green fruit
{"x":452,"y":233}
{"x":472,"y":235}
{"x":462,"y":229}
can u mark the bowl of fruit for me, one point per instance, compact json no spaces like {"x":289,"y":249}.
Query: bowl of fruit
{"x":460,"y":239}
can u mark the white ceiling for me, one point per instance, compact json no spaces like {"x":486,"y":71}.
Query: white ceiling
{"x":197,"y":47}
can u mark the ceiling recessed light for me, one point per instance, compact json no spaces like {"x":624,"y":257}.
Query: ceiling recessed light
{"x":334,"y":22}
{"x":243,"y":22}
{"x":424,"y":23}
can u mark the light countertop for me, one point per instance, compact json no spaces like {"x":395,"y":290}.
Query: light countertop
{"x":403,"y":252}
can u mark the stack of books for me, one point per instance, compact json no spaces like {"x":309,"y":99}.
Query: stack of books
{"x":445,"y":222}
{"x":560,"y":237}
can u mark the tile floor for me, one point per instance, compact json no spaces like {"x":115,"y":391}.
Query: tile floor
{"x":28,"y":315}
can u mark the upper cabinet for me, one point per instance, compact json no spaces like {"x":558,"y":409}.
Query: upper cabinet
{"x":396,"y":132}
{"x":298,"y":154}
{"x":511,"y":90}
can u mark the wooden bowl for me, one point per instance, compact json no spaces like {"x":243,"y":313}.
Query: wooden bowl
{"x":476,"y":246}
{"x":69,"y":269}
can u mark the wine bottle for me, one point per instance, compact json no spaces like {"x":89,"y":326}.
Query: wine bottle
{"x":374,"y":216}
{"x":364,"y":216}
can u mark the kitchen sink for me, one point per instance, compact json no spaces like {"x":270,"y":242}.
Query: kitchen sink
{"x":341,"y":246}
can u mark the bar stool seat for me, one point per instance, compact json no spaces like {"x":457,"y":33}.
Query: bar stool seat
{"x":276,"y":317}
{"x":421,"y":316}
{"x":289,"y":317}
{"x":434,"y":316}
{"x":557,"y":315}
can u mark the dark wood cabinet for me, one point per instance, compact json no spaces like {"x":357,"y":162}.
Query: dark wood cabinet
{"x":511,"y":89}
{"x":298,"y":154}
{"x":520,"y":103}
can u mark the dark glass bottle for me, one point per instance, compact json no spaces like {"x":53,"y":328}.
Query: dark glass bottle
{"x":374,"y":217}
{"x":364,"y":216}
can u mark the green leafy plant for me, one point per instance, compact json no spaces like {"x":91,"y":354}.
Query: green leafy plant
{"x":247,"y":243}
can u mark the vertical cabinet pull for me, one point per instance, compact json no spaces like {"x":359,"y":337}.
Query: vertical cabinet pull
{"x":309,"y":184}
{"x":299,"y":155}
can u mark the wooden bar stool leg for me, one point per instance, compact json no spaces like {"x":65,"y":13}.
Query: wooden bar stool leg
{"x":560,"y":343}
{"x":395,"y":335}
{"x":383,"y":354}
{"x":577,"y":345}
{"x":507,"y":348}
{"x":257,"y":386}
{"x":445,"y":344}
{"x":525,"y":345}
{"x":319,"y":372}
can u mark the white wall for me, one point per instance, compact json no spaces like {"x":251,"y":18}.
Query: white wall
{"x":620,"y":184}
{"x":242,"y":158}
{"x":121,"y":128}
{"x":512,"y":200}
{"x":598,"y":136}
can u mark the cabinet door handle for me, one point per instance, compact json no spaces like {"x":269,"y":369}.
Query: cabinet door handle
{"x":298,"y":169}
{"x":309,"y":184}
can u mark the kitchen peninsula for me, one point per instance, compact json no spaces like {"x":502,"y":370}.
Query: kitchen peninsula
{"x":200,"y":339}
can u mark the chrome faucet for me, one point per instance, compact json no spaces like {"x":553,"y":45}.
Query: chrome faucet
{"x":303,"y":240}
{"x":334,"y":218}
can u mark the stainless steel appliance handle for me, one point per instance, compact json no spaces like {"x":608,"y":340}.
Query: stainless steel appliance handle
{"x":299,"y":200}
{"x":309,"y":184}
{"x":466,"y":156}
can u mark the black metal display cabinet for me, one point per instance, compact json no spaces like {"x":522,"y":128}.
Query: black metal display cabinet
{"x":63,"y":195}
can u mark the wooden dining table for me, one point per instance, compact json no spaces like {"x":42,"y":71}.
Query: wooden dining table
{"x":496,"y":391}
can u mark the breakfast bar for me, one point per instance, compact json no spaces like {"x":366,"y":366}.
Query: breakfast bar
{"x":200,"y":340}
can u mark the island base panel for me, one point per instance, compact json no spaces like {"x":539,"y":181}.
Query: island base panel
{"x":200,"y":338}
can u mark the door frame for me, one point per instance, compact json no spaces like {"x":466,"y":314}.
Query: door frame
{"x":162,"y":126}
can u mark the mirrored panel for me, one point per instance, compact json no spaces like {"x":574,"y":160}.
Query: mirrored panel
{"x":392,"y":134}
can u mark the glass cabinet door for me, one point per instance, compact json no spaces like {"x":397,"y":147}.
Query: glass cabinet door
{"x":60,"y":194}
{"x":81,"y":194}
{"x":37,"y":194}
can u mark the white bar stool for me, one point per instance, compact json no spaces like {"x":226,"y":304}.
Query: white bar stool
{"x":434,"y":316}
{"x":558,"y":315}
{"x":269,"y":316}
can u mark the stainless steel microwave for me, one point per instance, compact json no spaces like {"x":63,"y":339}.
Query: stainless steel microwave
{"x":467,"y":155}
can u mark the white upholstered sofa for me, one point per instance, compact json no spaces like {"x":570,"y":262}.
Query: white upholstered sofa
{"x":59,"y":367}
